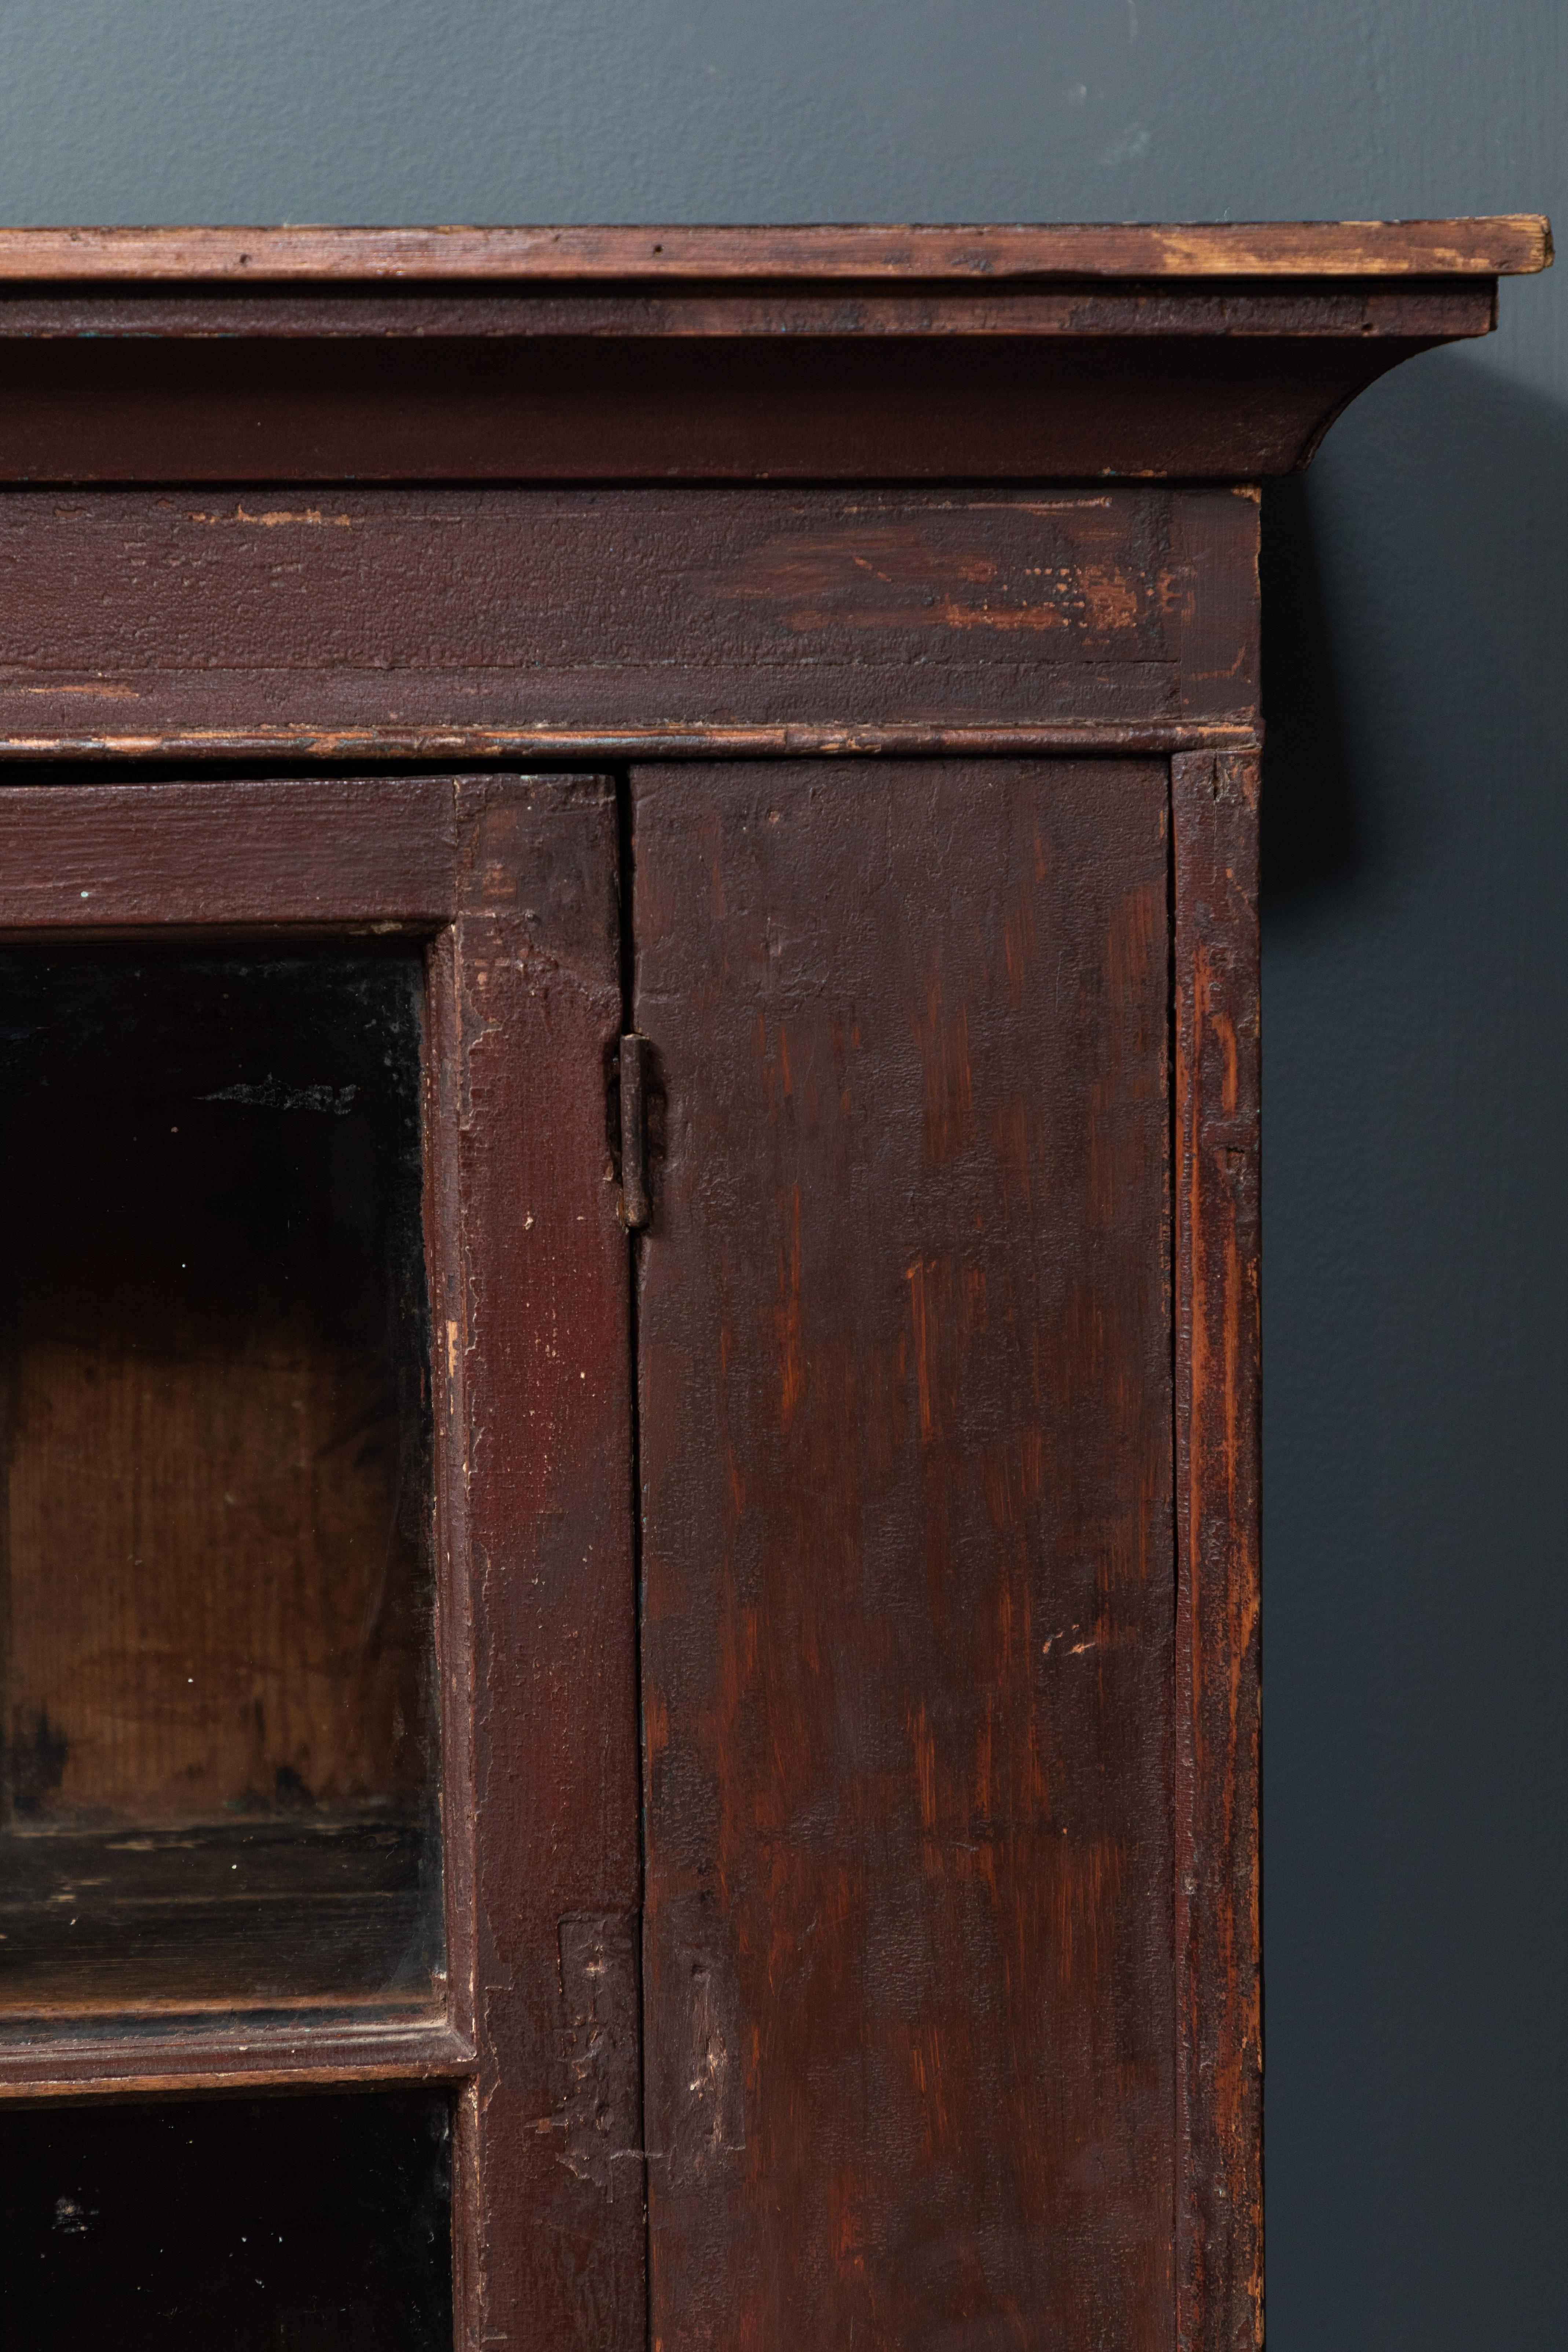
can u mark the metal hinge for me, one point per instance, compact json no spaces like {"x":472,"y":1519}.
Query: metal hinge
{"x":636,"y":1208}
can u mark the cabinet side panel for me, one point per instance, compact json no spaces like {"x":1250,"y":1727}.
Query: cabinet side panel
{"x":1219,"y":2215}
{"x":535,"y":1341}
{"x":906,"y":1445}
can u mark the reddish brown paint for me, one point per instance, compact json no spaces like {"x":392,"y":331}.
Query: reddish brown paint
{"x":1395,"y":305}
{"x":537,"y":1320}
{"x":906,"y":1452}
{"x":819,"y":2161}
{"x":186,"y":620}
{"x":712,"y":354}
{"x":1220,"y":2216}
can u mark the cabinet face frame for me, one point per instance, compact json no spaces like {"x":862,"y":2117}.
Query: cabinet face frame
{"x":509,"y":885}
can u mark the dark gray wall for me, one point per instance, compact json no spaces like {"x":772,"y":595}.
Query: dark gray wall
{"x":1417,"y":884}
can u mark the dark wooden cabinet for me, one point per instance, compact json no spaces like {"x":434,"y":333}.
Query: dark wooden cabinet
{"x":628,"y":1123}
{"x":905,"y":1378}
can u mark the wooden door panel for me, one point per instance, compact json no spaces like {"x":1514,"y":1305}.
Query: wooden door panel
{"x":906,"y":1454}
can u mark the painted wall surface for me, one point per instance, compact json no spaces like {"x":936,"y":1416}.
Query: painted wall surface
{"x":1416,"y":900}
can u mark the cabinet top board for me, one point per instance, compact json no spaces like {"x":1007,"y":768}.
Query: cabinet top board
{"x":1507,"y":245}
{"x":1001,"y":354}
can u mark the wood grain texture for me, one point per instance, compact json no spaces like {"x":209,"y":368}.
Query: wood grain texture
{"x":405,"y":616}
{"x":1487,"y":246}
{"x":262,"y":1548}
{"x":534,"y":1330}
{"x":224,"y":863}
{"x":216,"y":1520}
{"x":215,"y":1619}
{"x":907,"y":1481}
{"x":996,"y":353}
{"x":1219,"y":2215}
{"x":1041,"y":738}
{"x":834,"y":312}
{"x":202,"y":855}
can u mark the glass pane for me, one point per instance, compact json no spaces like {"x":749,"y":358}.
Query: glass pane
{"x":320,"y":2224}
{"x":216,"y":1612}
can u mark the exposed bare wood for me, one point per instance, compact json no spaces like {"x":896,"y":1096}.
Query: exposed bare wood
{"x":483,"y":743}
{"x":945,"y":1317}
{"x":1509,"y":243}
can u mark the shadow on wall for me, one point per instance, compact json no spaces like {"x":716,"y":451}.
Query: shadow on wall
{"x":1461,"y":481}
{"x":1416,"y":910}
{"x":1309,"y":842}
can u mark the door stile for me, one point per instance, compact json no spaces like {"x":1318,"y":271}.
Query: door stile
{"x":1219,"y":2232}
{"x":551,"y":2231}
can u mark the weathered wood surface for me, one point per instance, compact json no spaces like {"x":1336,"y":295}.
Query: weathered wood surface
{"x":1167,"y":310}
{"x":203,"y":854}
{"x":906,"y":1450}
{"x":1488,"y":247}
{"x":811,"y":354}
{"x":533,"y":1335}
{"x":368,"y":623}
{"x":1218,"y":1956}
{"x":517,"y":880}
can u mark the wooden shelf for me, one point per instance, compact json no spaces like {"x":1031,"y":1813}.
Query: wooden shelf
{"x":236,"y":1913}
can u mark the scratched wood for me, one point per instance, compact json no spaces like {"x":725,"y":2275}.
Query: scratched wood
{"x":969,"y":354}
{"x":1219,"y":2212}
{"x":906,"y":1450}
{"x":1509,"y":242}
{"x":1205,"y":351}
{"x":536,"y":1340}
{"x":951,"y":1934}
{"x":234,"y":2052}
{"x":365,"y":621}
